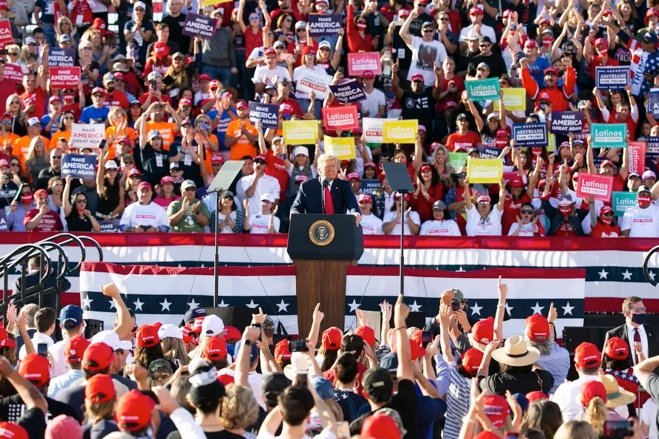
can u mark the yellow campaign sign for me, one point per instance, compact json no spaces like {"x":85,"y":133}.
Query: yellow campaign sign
{"x":484,"y":170}
{"x":400,"y":131}
{"x":300,"y":132}
{"x":205,"y":3}
{"x":342,"y":148}
{"x":514,"y":99}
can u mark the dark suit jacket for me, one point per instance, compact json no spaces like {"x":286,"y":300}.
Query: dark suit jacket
{"x":310,"y":198}
{"x":653,"y":339}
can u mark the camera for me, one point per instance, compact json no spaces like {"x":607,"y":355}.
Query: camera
{"x":153,"y":85}
{"x":298,"y":346}
{"x":426,"y":338}
{"x":455,"y":305}
{"x":617,"y":429}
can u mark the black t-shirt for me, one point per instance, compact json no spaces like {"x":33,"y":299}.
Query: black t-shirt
{"x":12,"y":408}
{"x":155,"y":164}
{"x":100,"y":429}
{"x":210,"y":435}
{"x":7,"y":193}
{"x":418,"y":106}
{"x":404,"y":402}
{"x":523,"y":383}
{"x":77,"y":224}
{"x":351,"y":403}
{"x":34,"y":422}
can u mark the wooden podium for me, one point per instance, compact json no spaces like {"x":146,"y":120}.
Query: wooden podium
{"x":322,"y":247}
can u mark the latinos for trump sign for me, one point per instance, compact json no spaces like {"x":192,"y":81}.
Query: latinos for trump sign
{"x":373,"y":129}
{"x":599,"y":186}
{"x":312,"y":81}
{"x":64,"y":77}
{"x":300,"y":132}
{"x":61,"y":57}
{"x":79,"y":166}
{"x":621,"y":201}
{"x":199,"y":26}
{"x":267,"y":114}
{"x":457,"y":160}
{"x":608,"y":135}
{"x":612,"y":78}
{"x":359,"y":63}
{"x":341,"y":118}
{"x":564,"y":122}
{"x":348,"y":91}
{"x":87,"y":136}
{"x":530,"y":134}
{"x":325,"y":24}
{"x":6,"y":36}
{"x":342,"y":148}
{"x":484,"y":170}
{"x":400,"y":131}
{"x":636,"y":151}
{"x":483,"y":89}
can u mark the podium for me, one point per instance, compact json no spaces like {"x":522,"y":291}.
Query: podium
{"x":322,"y":247}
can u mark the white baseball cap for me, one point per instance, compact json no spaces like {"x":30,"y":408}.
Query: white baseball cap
{"x":300,"y":150}
{"x":169,"y":330}
{"x":212,"y":325}
{"x":111,"y":339}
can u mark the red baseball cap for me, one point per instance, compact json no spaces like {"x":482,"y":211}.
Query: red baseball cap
{"x":35,"y":369}
{"x":551,"y":71}
{"x":537,"y":328}
{"x":97,"y":357}
{"x":531,"y":44}
{"x":4,"y":6}
{"x":307,"y":50}
{"x":242,"y":104}
{"x":483,"y":198}
{"x":601,"y":42}
{"x":204,"y":77}
{"x":185,"y":101}
{"x":590,"y":390}
{"x":476,"y":11}
{"x":100,"y":388}
{"x":516,"y":181}
{"x":75,"y":348}
{"x":270,"y":52}
{"x":416,"y":350}
{"x":536,"y":395}
{"x":483,"y":330}
{"x":232,"y":333}
{"x":497,"y":409}
{"x":587,"y":355}
{"x":133,"y":411}
{"x":147,"y":335}
{"x":217,"y":159}
{"x":161,"y":49}
{"x":144,"y":184}
{"x":616,"y":348}
{"x":380,"y":426}
{"x":487,"y":435}
{"x":417,"y":77}
{"x":215,"y":348}
{"x":471,"y":361}
{"x":282,"y":351}
{"x":367,"y":334}
{"x":12,"y":431}
{"x":331,"y":340}
{"x":225,"y":378}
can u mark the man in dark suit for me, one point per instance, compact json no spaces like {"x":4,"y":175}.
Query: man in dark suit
{"x":326,"y":194}
{"x":50,"y":287}
{"x":641,"y":337}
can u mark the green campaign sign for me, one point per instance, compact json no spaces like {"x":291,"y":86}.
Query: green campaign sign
{"x":483,"y":89}
{"x":608,"y":135}
{"x":621,"y":201}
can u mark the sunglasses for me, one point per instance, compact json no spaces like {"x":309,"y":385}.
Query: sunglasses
{"x":134,"y":177}
{"x":81,"y":201}
{"x":443,"y":19}
{"x":526,"y":212}
{"x":57,"y":157}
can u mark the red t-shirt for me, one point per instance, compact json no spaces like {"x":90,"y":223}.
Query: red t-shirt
{"x":116,"y":99}
{"x":457,"y":141}
{"x":38,"y":98}
{"x":49,"y":222}
{"x":602,"y":230}
{"x":277,"y":168}
{"x":511,"y":208}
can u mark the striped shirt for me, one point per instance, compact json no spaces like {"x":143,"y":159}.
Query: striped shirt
{"x":457,"y":400}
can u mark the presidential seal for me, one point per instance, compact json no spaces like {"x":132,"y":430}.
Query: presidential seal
{"x":321,"y":233}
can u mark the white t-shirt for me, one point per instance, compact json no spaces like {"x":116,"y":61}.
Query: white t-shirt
{"x":260,"y":223}
{"x":266,"y":185}
{"x":151,"y":215}
{"x":424,"y":56}
{"x":641,"y":223}
{"x":371,"y":225}
{"x":391,"y":215}
{"x":649,"y":417}
{"x":440,"y":228}
{"x":370,"y":106}
{"x":477,"y":226}
{"x":527,"y":230}
{"x":265,"y":75}
{"x":486,"y":31}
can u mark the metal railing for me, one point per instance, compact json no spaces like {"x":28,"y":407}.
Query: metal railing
{"x":54,"y":267}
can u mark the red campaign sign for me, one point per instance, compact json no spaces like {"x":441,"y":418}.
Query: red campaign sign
{"x":341,"y":118}
{"x":636,"y":151}
{"x":599,"y":186}
{"x":64,"y":77}
{"x":6,"y":36}
{"x":359,"y":63}
{"x":13,"y":72}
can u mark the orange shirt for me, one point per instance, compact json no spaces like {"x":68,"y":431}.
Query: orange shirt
{"x":7,"y":139}
{"x":22,"y":146}
{"x":112,"y":131}
{"x":242,"y":146}
{"x":167,"y":131}
{"x":207,"y":157}
{"x":60,"y":135}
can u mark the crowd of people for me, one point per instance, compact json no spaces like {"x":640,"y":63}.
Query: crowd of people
{"x":176,"y":107}
{"x":455,"y":378}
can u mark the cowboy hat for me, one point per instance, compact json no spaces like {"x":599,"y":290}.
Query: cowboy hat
{"x":616,"y":395}
{"x":516,"y":352}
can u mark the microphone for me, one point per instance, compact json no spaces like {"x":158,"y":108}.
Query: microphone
{"x":325,"y":183}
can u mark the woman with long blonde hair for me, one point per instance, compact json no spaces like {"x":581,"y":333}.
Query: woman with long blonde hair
{"x":100,"y":399}
{"x":64,"y":26}
{"x":14,"y":108}
{"x":118,"y":129}
{"x":36,"y":159}
{"x":593,"y":400}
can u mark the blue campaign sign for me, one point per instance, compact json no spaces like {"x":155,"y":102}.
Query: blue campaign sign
{"x":564,"y":122}
{"x":652,"y":103}
{"x":652,"y":152}
{"x":530,"y":134}
{"x":369,"y":186}
{"x":79,"y":166}
{"x":61,"y":57}
{"x":267,"y":114}
{"x":612,"y":78}
{"x":348,"y":91}
{"x":325,"y":24}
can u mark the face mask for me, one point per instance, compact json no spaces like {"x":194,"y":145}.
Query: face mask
{"x":361,"y":26}
{"x":565,"y":210}
{"x":606,"y":219}
{"x":26,"y":199}
{"x":80,"y":208}
{"x":639,"y":319}
{"x":644,"y":201}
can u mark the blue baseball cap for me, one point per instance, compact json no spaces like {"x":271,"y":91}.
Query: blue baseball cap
{"x":254,"y":354}
{"x":70,"y":316}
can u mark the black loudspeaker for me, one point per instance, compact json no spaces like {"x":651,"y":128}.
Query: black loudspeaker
{"x":92,"y":327}
{"x":239,"y":317}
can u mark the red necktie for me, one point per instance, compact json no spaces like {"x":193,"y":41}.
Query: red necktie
{"x":329,"y":204}
{"x":637,"y":338}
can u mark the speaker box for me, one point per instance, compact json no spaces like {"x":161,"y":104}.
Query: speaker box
{"x":238,"y":317}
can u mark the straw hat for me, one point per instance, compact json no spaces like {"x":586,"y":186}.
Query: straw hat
{"x":516,"y":352}
{"x":616,"y":395}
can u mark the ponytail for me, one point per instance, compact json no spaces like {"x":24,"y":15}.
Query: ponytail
{"x":596,"y":414}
